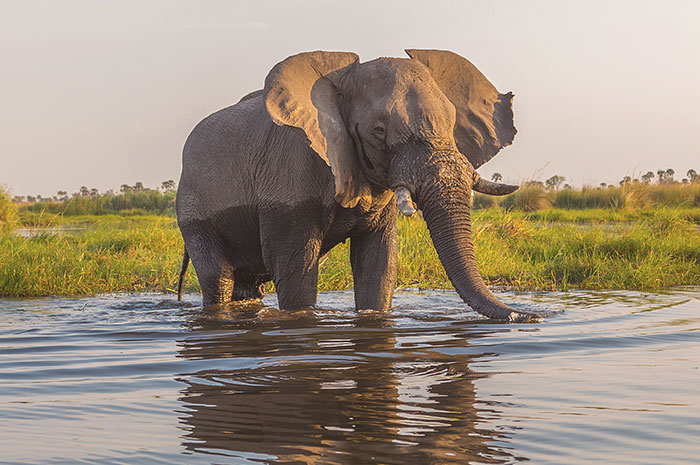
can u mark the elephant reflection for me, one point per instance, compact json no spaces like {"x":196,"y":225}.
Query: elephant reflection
{"x":322,"y":393}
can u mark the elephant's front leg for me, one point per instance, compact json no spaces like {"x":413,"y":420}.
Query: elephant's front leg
{"x":291,"y":246}
{"x":373,"y":256}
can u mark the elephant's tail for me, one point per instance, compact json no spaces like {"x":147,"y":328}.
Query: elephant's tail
{"x":183,"y":270}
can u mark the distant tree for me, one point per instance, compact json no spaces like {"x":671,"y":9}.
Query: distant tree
{"x":567,"y":186}
{"x":84,"y":191}
{"x":94,"y":192}
{"x":31,"y":198}
{"x":646,"y":178}
{"x":662,"y":176}
{"x":603,"y":185}
{"x":539,"y":184}
{"x":669,"y":175}
{"x":125,"y":188}
{"x":168,"y":185}
{"x":62,"y":195}
{"x":625,"y":180}
{"x":138,"y":187}
{"x":693,"y":175}
{"x":684,"y":180}
{"x":496,"y":177}
{"x":18,"y":198}
{"x":554,"y":182}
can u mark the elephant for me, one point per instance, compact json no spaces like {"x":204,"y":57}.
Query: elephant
{"x":328,"y":150}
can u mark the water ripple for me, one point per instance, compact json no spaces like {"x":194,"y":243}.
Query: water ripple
{"x":609,"y":377}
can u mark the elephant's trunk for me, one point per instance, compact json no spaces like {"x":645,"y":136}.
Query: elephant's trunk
{"x":445,"y":202}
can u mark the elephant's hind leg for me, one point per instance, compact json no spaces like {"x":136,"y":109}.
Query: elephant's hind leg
{"x":214,"y":272}
{"x":247,"y":286}
{"x":216,"y":282}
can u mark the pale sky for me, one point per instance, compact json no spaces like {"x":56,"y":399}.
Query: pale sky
{"x":101,"y":93}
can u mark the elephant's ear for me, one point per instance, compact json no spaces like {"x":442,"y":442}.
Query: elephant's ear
{"x":301,"y":91}
{"x":484,"y":116}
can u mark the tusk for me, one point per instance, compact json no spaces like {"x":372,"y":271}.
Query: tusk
{"x":404,"y":201}
{"x":493,"y":188}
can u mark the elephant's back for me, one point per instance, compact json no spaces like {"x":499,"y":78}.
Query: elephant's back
{"x":230,"y":132}
{"x":237,"y":157}
{"x":218,"y":156}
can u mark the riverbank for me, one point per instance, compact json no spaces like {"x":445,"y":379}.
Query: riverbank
{"x":591,"y":249}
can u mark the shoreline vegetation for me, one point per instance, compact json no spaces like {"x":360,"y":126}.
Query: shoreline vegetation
{"x":635,"y":236}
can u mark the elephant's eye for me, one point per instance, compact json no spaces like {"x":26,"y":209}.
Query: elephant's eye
{"x":379,"y":131}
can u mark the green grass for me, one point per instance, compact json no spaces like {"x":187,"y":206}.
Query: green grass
{"x":532,"y":196}
{"x":143,"y":201}
{"x":657,"y":252}
{"x":596,"y":215}
{"x":8,"y":211}
{"x":125,"y":256}
{"x":551,"y":249}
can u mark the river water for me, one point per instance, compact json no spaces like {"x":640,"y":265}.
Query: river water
{"x":610,"y":377}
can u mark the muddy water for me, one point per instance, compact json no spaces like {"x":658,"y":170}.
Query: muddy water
{"x":611,"y":378}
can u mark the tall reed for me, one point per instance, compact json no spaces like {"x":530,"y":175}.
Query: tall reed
{"x":533,"y":196}
{"x":8,"y":211}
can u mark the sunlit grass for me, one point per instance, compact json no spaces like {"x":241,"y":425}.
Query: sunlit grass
{"x":8,"y":211}
{"x":594,"y":215}
{"x":653,"y":253}
{"x":106,"y":257}
{"x":551,"y":249}
{"x":534,"y":196}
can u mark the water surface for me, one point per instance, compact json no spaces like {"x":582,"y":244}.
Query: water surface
{"x":611,"y":378}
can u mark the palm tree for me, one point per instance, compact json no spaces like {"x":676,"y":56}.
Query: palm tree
{"x":168,"y":185}
{"x":669,"y":175}
{"x":496,"y":177}
{"x":555,"y":181}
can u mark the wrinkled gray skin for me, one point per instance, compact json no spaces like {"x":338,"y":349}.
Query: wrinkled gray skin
{"x":271,"y":184}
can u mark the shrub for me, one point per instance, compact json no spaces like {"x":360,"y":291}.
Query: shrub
{"x":530,"y":197}
{"x":8,"y":211}
{"x":629,"y":195}
{"x":126,"y":203}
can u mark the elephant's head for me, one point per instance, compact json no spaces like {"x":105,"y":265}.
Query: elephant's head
{"x":418,"y":126}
